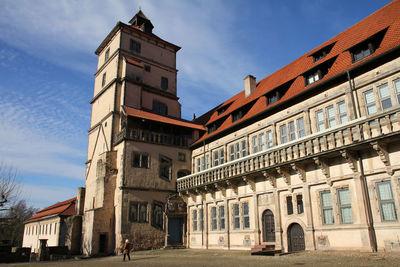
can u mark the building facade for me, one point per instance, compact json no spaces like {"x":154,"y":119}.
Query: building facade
{"x":55,"y":226}
{"x":138,"y":144}
{"x":308,"y":157}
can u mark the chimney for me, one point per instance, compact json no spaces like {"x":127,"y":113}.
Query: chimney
{"x":249,"y":84}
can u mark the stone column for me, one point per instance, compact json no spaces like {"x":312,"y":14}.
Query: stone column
{"x":256,"y":220}
{"x":278,"y":226}
{"x":309,"y":231}
{"x":227,"y":224}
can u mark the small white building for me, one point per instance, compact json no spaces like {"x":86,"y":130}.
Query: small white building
{"x":51,"y":224}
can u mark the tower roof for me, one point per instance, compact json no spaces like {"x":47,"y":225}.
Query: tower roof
{"x":142,"y":22}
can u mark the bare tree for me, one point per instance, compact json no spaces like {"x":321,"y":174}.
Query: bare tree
{"x":9,"y":188}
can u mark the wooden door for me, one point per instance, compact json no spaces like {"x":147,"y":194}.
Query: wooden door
{"x":296,"y":238}
{"x":268,"y":226}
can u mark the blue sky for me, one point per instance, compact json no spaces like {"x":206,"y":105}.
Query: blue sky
{"x":47,"y":63}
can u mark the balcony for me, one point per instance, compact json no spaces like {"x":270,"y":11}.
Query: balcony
{"x":284,"y":159}
{"x":151,"y":137}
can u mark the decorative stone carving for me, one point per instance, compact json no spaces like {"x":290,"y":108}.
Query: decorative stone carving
{"x":250,"y":181}
{"x":233,"y":186}
{"x":300,"y":170}
{"x":270,"y":177}
{"x":284,"y":173}
{"x":349,"y":157}
{"x":218,"y":187}
{"x":381,"y":149}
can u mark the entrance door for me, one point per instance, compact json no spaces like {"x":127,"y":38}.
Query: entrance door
{"x":102,"y":243}
{"x":296,"y":238}
{"x":175,"y":231}
{"x":268,"y":226}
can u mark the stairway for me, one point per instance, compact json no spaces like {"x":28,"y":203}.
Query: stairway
{"x":265,"y":249}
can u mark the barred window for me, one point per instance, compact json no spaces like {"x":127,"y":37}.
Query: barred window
{"x":346,"y":215}
{"x":214,"y":218}
{"x":138,"y":212}
{"x":384,"y":95}
{"x":246,"y":216}
{"x":289,"y":205}
{"x":327,"y":208}
{"x":386,"y":201}
{"x":236,"y":216}
{"x":370,"y":102}
{"x":300,"y":207}
{"x":158,"y":217}
{"x":222,"y":217}
{"x":194,"y":216}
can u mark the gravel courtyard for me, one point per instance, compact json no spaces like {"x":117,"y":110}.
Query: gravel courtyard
{"x":192,"y":257}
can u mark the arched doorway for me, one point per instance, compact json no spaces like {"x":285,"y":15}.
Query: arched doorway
{"x":296,"y":238}
{"x":268,"y":225}
{"x":176,"y":220}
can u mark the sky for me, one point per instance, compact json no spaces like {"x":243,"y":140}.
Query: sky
{"x":47,"y":66}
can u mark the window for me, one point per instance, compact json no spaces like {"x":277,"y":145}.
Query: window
{"x":236,"y":216}
{"x":140,"y":160}
{"x":198,"y":165}
{"x":292,"y":131}
{"x":323,"y":52}
{"x":107,"y":54}
{"x":103,"y":80}
{"x":237,"y":115}
{"x":181,"y":156}
{"x":269,"y":139}
{"x":135,"y":46}
{"x":207,"y":161}
{"x":345,"y":205}
{"x":313,"y":77}
{"x":194,"y":220}
{"x":246,"y":216}
{"x":370,"y":102}
{"x":283,"y":133}
{"x":147,"y":68}
{"x":386,"y":201}
{"x":384,"y":95}
{"x":214,"y":218}
{"x":215,"y":158}
{"x":201,"y":215}
{"x":342,"y":112}
{"x":221,"y":154}
{"x":300,"y":207}
{"x":362,"y":52}
{"x":158,"y":217}
{"x":237,"y":147}
{"x":222,"y":217}
{"x":330,"y":113}
{"x":164,"y":83}
{"x":165,"y":167}
{"x":327,"y":208}
{"x":203,"y":164}
{"x":397,"y":88}
{"x":320,"y":120}
{"x":244,"y":149}
{"x":300,"y":128}
{"x":232,"y":153}
{"x":255,"y":144}
{"x":160,"y":108}
{"x":50,"y":228}
{"x":289,"y":205}
{"x":262,"y":142}
{"x":138,"y":212}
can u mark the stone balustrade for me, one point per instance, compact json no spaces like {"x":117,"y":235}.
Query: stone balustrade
{"x":353,"y":133}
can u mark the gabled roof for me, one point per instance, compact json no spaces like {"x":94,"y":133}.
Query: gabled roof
{"x":65,"y":208}
{"x":155,"y":117}
{"x":387,"y":18}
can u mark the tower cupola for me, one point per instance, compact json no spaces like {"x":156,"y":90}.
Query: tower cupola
{"x":141,"y":21}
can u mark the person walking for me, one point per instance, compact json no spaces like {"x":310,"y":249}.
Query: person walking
{"x":126,"y":249}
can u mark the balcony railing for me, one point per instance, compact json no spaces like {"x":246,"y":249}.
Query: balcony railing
{"x":152,"y":137}
{"x":362,"y":130}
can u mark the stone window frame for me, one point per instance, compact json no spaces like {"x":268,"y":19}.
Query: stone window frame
{"x":341,"y":206}
{"x":195,"y":220}
{"x":104,"y":79}
{"x":220,"y":218}
{"x":289,"y":135}
{"x":239,"y":148}
{"x":106,"y":55}
{"x":139,"y":205}
{"x":153,"y":216}
{"x":395,"y":186}
{"x":213,"y":218}
{"x":323,"y":109}
{"x":240,"y":216}
{"x":142,"y":163}
{"x":296,"y":207}
{"x":320,"y":208}
{"x":396,"y":93}
{"x":220,"y":159}
{"x":162,"y":173}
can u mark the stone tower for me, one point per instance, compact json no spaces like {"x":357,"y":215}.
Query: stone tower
{"x":138,"y":144}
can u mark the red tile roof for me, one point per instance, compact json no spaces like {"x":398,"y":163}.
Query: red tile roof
{"x":66,"y":208}
{"x":134,"y":62}
{"x":386,"y":17}
{"x":155,"y":117}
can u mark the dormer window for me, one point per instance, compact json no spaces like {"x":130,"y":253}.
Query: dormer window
{"x":221,"y":110}
{"x":323,"y":52}
{"x":366,"y":47}
{"x":318,"y":72}
{"x":237,"y":115}
{"x":277,"y":93}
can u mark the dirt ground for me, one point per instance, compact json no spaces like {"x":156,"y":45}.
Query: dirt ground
{"x":192,"y":257}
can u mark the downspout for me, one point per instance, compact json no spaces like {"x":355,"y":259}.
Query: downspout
{"x":364,"y":184}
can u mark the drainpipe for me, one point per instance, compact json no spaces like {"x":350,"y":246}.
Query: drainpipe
{"x":370,"y":219}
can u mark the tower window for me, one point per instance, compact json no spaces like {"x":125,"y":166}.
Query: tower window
{"x":164,"y":83}
{"x":147,"y":68}
{"x":160,"y":108}
{"x":135,"y":46}
{"x":107,"y":54}
{"x":103,"y":80}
